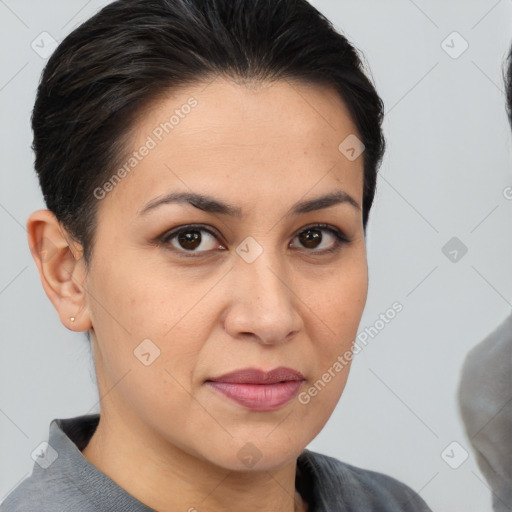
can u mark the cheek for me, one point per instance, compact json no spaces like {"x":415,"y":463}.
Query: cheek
{"x":135,"y":299}
{"x":336,"y":311}
{"x":149,"y":335}
{"x":339,"y":310}
{"x":141,"y":317}
{"x":339,"y":298}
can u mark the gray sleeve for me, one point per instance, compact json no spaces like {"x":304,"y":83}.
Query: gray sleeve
{"x":485,"y":402}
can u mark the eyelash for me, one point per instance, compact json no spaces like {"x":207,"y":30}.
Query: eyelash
{"x":340,"y":238}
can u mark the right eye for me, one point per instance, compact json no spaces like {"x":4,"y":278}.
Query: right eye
{"x":187,"y":239}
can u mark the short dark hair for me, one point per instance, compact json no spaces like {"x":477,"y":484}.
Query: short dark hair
{"x":106,"y":71}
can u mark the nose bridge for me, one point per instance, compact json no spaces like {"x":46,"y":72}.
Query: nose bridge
{"x":263,"y":300}
{"x":263,"y":274}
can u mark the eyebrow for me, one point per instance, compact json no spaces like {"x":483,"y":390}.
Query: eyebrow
{"x":212,"y":205}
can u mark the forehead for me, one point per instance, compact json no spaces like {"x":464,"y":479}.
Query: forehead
{"x":260,"y":138}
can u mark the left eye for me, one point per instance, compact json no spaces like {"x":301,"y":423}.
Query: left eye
{"x":312,"y":235}
{"x":190,"y":238}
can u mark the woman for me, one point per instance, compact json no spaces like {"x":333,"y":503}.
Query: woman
{"x":209,"y":168}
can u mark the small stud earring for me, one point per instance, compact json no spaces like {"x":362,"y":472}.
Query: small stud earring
{"x":72,"y":318}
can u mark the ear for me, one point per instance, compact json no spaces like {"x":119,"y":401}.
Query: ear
{"x":61,"y":268}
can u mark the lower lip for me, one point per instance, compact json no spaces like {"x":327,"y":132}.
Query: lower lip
{"x":259,"y":397}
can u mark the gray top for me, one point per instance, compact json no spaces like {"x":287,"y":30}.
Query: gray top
{"x":63,"y":480}
{"x":485,"y":401}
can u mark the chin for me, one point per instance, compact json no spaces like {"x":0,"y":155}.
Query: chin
{"x":257,"y":455}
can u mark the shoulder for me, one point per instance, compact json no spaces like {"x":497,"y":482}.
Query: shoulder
{"x":56,"y":483}
{"x":481,"y":392}
{"x":348,"y":486}
{"x":45,"y":492}
{"x":496,"y":348}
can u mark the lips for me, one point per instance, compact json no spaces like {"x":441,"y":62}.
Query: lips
{"x":259,"y":390}
{"x":255,"y":376}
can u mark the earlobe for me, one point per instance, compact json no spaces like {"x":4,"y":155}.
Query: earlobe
{"x":61,"y":269}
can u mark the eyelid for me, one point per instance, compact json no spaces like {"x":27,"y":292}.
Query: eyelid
{"x":340,"y":238}
{"x":172,"y":233}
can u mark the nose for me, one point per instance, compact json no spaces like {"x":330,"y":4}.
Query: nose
{"x":263,"y":304}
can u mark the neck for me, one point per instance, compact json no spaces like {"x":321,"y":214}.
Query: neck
{"x":166,"y":478}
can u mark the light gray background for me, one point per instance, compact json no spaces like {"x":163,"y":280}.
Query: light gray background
{"x":448,"y":162}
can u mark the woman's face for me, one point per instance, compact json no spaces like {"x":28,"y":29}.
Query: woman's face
{"x":244,"y":288}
